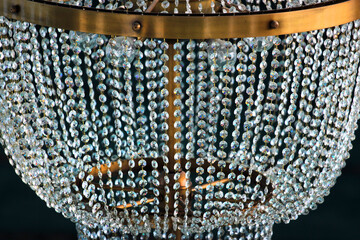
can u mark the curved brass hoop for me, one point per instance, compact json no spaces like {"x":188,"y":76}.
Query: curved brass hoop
{"x":183,"y":26}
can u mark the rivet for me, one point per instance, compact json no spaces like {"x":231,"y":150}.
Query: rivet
{"x":136,"y":26}
{"x":274,"y":24}
{"x":14,"y":9}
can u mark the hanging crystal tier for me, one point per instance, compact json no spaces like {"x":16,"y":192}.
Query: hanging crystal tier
{"x":155,"y":138}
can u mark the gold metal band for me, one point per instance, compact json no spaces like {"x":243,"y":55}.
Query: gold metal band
{"x":181,"y":26}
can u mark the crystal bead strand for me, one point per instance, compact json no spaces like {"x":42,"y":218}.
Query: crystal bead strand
{"x":141,"y":122}
{"x":269,"y":4}
{"x":349,"y":135}
{"x":118,"y":103}
{"x":165,"y":4}
{"x":200,"y":7}
{"x":287,"y":118}
{"x":28,"y":108}
{"x":253,"y":5}
{"x":88,"y":3}
{"x":68,"y":94}
{"x":332,"y":111}
{"x":304,"y":118}
{"x":177,"y":125}
{"x":64,"y":148}
{"x":342,"y":39}
{"x":240,"y":78}
{"x":285,"y":81}
{"x":281,"y":183}
{"x":16,"y":86}
{"x":201,"y":124}
{"x":87,"y":129}
{"x":161,"y":71}
{"x":331,"y":58}
{"x":251,"y":125}
{"x":141,"y":6}
{"x":227,"y":92}
{"x":318,"y":127}
{"x":249,"y":114}
{"x":258,"y":161}
{"x":176,"y":10}
{"x":111,"y":5}
{"x":141,"y":132}
{"x":188,"y":7}
{"x":354,"y":58}
{"x":99,"y":125}
{"x":128,"y":5}
{"x":100,"y":4}
{"x":291,"y":133}
{"x":323,"y":102}
{"x":213,"y":5}
{"x":240,"y":89}
{"x":314,"y":159}
{"x":225,"y":112}
{"x":60,"y":87}
{"x":12,"y":88}
{"x":151,"y":76}
{"x":112,"y":121}
{"x":268,"y":153}
{"x":100,"y":120}
{"x":213,"y":121}
{"x":81,"y":103}
{"x":106,"y":87}
{"x":129,"y":128}
{"x":348,"y":73}
{"x":48,"y":121}
{"x":291,"y":141}
{"x":223,"y":5}
{"x":163,"y":127}
{"x":313,"y":52}
{"x":283,"y":91}
{"x":190,"y":125}
{"x":227,"y":214}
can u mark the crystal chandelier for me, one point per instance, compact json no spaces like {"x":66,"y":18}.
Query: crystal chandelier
{"x":184,"y":119}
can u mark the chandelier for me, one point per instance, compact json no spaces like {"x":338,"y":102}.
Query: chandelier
{"x":179,"y":119}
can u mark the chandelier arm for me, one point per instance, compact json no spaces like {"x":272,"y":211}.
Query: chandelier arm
{"x":129,"y":205}
{"x":118,"y":188}
{"x":204,"y":186}
{"x":151,"y":25}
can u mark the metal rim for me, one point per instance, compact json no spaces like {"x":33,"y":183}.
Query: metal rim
{"x":183,"y":26}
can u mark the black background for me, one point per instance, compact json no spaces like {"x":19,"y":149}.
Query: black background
{"x":24,"y":216}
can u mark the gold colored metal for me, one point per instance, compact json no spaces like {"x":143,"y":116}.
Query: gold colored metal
{"x":212,"y":184}
{"x":152,"y":6}
{"x":118,"y":188}
{"x":274,"y":24}
{"x":136,"y":26}
{"x":308,"y":18}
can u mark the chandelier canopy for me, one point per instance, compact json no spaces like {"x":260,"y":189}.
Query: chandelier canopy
{"x":179,"y":119}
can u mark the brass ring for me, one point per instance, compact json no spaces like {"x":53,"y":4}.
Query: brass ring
{"x":255,"y":24}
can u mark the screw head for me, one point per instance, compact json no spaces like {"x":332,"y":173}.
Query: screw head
{"x":136,"y":26}
{"x":14,"y":9}
{"x":274,"y":24}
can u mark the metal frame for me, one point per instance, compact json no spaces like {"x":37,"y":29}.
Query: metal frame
{"x":151,"y":25}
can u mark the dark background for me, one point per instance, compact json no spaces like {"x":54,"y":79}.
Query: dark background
{"x":23,"y":216}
